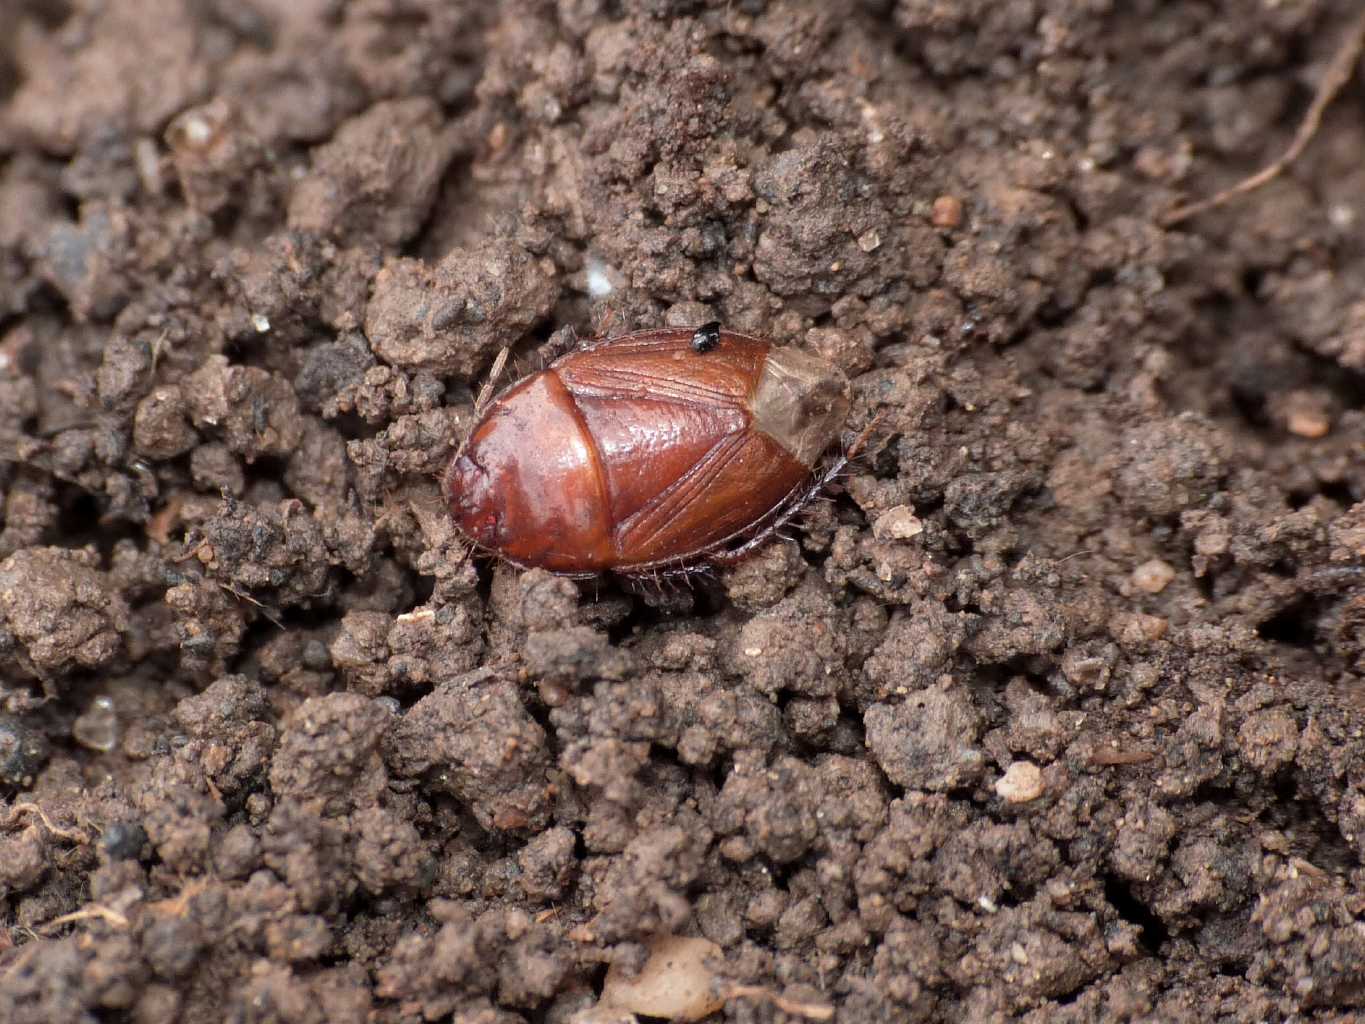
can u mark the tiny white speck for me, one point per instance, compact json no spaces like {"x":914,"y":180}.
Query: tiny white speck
{"x":197,"y":130}
{"x":260,"y":322}
{"x":599,"y":281}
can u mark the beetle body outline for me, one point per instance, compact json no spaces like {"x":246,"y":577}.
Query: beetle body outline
{"x":640,"y":455}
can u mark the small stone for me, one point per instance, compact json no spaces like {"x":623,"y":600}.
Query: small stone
{"x":1309,"y":423}
{"x":1304,"y":412}
{"x":947,"y":212}
{"x":869,"y":241}
{"x":23,"y":750}
{"x":196,"y":130}
{"x":1021,"y":783}
{"x":928,"y":740}
{"x":97,"y":728}
{"x":1136,"y":629}
{"x":675,"y":982}
{"x":1153,"y":576}
{"x":123,"y":840}
{"x":160,"y":429}
{"x":897,"y":523}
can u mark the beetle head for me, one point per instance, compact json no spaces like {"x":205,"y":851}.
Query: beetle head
{"x":472,"y":500}
{"x":801,"y":402}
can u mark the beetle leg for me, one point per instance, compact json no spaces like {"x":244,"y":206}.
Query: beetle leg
{"x":798,"y":501}
{"x":559,"y":344}
{"x":860,"y":442}
{"x":608,"y":320}
{"x":664,"y":578}
{"x":790,"y":509}
{"x":468,"y":551}
{"x":793,"y":506}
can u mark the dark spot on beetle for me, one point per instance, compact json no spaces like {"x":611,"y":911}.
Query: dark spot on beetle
{"x":706,"y":337}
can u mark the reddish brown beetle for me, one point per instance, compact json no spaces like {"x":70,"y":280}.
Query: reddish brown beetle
{"x":652,"y":453}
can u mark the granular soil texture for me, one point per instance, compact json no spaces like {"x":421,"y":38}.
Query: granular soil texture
{"x":1052,"y":713}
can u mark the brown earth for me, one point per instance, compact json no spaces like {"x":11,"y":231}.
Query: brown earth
{"x":1055,"y":713}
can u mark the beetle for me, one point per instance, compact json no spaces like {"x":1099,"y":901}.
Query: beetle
{"x":648,"y":454}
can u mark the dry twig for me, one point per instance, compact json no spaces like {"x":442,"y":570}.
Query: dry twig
{"x":92,"y":912}
{"x":1338,"y":73}
{"x":810,"y":1011}
{"x":73,"y":835}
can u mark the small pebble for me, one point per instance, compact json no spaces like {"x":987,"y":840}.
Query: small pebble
{"x":898,"y":523}
{"x":196,"y":130}
{"x":1305,"y":413}
{"x":1135,"y":629}
{"x":1153,"y":576}
{"x":98,"y":727}
{"x":123,"y":840}
{"x":675,"y":982}
{"x":23,"y":750}
{"x":1309,"y":423}
{"x":947,"y":212}
{"x":1021,"y":783}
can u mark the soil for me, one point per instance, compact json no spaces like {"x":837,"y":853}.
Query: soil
{"x":1056,"y":712}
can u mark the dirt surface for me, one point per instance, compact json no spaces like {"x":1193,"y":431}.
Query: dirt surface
{"x":1054,"y":713}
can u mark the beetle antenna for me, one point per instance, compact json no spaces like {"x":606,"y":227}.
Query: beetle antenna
{"x":608,"y":319}
{"x":486,"y":392}
{"x":860,"y":442}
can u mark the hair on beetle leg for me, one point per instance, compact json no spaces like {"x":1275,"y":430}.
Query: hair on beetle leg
{"x":594,"y":583}
{"x":465,"y":555}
